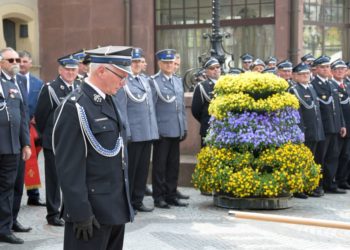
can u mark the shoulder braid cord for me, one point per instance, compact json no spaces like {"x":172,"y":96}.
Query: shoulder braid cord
{"x":132,"y":97}
{"x":307,"y":106}
{"x":171,"y":100}
{"x":204,"y":94}
{"x":346,"y":101}
{"x":52,"y":95}
{"x":85,"y":127}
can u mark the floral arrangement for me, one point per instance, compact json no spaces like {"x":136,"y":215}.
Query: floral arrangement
{"x":254,"y":145}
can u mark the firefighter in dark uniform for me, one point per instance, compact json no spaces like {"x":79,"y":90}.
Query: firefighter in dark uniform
{"x":284,"y":70}
{"x":327,"y":151}
{"x":14,"y":134}
{"x":9,"y":71}
{"x":339,"y":69}
{"x":203,"y":93}
{"x":247,"y":60}
{"x":89,"y":141}
{"x":172,"y":127}
{"x":51,"y":95}
{"x":310,"y":115}
{"x":83,"y":66}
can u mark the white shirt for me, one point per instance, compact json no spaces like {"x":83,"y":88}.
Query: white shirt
{"x":96,"y":89}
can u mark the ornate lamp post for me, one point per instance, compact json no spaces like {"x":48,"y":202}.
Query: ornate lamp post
{"x":191,"y":77}
{"x":216,"y":36}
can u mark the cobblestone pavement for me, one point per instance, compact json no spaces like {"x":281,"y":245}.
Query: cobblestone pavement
{"x":204,"y":226}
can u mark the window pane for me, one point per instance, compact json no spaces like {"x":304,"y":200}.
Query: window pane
{"x":225,"y":13}
{"x":176,"y":4}
{"x":191,"y":3}
{"x":191,"y":16}
{"x":205,"y":15}
{"x":252,"y":11}
{"x":177,"y":16}
{"x":267,"y":10}
{"x":162,"y":17}
{"x":239,"y":11}
{"x":313,"y":40}
{"x":333,"y":42}
{"x":162,"y":4}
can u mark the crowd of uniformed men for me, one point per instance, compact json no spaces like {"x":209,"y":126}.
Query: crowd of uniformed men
{"x":101,"y":117}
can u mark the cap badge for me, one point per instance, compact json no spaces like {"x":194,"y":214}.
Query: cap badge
{"x":97,"y":98}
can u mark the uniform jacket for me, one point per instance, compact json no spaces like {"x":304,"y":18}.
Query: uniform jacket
{"x":344,"y":94}
{"x":21,"y":83}
{"x":331,"y":113}
{"x":14,"y":130}
{"x":35,"y":85}
{"x":311,"y":121}
{"x":136,"y":100}
{"x":47,"y":105}
{"x":203,"y":93}
{"x":171,"y":115}
{"x":91,"y":184}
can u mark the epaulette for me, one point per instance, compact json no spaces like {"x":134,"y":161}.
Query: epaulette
{"x":154,"y":76}
{"x":177,"y":76}
{"x":75,"y":95}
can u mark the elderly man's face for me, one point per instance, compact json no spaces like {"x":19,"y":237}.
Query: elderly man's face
{"x":68,"y":74}
{"x":10,"y":62}
{"x":113,"y":79}
{"x":285,"y":74}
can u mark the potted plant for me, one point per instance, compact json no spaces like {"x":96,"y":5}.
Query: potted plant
{"x":255,"y":156}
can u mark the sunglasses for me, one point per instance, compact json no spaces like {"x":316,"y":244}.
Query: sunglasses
{"x":12,"y":60}
{"x":116,"y":74}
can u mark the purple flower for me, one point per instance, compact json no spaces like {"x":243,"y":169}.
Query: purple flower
{"x":252,"y":130}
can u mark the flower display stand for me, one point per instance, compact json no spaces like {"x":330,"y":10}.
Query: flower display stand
{"x":254,"y":156}
{"x":256,"y":203}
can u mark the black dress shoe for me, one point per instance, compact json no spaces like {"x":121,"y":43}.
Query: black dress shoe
{"x":36,"y":202}
{"x":143,"y":208}
{"x":300,"y":196}
{"x":344,"y":186}
{"x":181,"y":196}
{"x":11,"y":238}
{"x":335,"y":191}
{"x":176,"y":202}
{"x":318,"y":192}
{"x":161,"y":204}
{"x":148,"y":191}
{"x":19,"y":228}
{"x":55,"y":222}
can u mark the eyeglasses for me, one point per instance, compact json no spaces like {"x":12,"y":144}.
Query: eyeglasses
{"x":212,"y":68}
{"x":116,"y":74}
{"x":12,"y":60}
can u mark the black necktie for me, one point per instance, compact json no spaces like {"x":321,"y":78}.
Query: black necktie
{"x":109,"y":101}
{"x":70,"y":88}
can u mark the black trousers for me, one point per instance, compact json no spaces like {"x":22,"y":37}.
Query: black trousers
{"x":165,"y":171}
{"x":8,"y":172}
{"x":343,"y":171}
{"x":327,"y":154}
{"x":312,"y":145}
{"x":139,"y":154}
{"x":33,"y":194}
{"x":18,"y":189}
{"x":53,"y":195}
{"x":108,"y":237}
